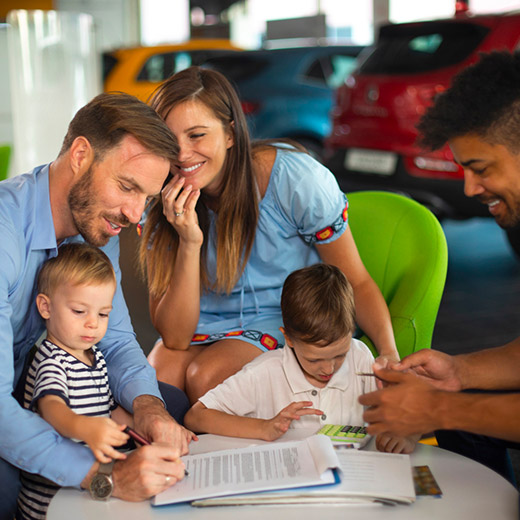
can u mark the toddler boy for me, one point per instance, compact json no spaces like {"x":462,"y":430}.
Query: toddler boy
{"x":67,"y":382}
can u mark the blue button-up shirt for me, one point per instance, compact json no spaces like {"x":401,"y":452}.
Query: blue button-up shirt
{"x":27,"y":239}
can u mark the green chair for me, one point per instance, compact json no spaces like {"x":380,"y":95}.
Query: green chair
{"x":5,"y":153}
{"x":404,"y":249}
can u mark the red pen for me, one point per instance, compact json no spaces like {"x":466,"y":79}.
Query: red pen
{"x":139,"y":438}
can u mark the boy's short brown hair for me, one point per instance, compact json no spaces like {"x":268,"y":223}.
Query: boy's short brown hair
{"x":318,"y":305}
{"x":77,"y":263}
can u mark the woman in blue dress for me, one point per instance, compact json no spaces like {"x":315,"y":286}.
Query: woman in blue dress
{"x":232,"y":222}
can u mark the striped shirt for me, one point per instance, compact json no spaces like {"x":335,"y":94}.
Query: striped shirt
{"x":84,"y":389}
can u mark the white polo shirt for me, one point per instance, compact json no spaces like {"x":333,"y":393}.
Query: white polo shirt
{"x":274,"y":380}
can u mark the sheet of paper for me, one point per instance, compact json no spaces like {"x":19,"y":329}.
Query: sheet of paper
{"x":365,"y":476}
{"x":372,"y":472}
{"x":257,"y":468}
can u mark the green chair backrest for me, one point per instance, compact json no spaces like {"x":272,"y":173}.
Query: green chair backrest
{"x":404,"y":249}
{"x":5,"y":153}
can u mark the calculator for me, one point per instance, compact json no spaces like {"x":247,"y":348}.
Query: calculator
{"x":346,"y":436}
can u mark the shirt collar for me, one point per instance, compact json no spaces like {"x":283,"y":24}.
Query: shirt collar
{"x":45,"y":234}
{"x":298,"y":382}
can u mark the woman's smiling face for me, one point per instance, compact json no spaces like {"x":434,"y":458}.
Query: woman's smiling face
{"x":203,"y":145}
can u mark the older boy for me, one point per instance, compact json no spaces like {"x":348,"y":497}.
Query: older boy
{"x":311,"y":382}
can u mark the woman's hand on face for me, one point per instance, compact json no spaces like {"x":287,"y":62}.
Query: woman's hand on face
{"x":179,"y":203}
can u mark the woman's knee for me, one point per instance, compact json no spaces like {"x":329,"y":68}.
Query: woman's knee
{"x":198,"y":373}
{"x":201,"y":377}
{"x":169,"y":365}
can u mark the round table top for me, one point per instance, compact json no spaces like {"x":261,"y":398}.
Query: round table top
{"x":470,"y":491}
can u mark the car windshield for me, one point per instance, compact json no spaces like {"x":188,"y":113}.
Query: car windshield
{"x":237,"y":68}
{"x":161,"y":66}
{"x":416,"y":48}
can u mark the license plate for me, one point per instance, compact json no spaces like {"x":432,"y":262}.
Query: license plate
{"x":370,"y":161}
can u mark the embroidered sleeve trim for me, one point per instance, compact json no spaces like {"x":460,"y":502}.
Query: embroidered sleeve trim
{"x":329,"y":231}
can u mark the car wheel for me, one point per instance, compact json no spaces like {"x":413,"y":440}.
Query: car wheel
{"x":513,"y":237}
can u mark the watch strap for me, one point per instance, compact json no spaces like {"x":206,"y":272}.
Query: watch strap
{"x":106,"y":468}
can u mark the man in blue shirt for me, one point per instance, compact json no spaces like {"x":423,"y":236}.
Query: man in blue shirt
{"x":115,"y":156}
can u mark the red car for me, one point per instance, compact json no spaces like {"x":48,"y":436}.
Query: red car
{"x":372,"y":144}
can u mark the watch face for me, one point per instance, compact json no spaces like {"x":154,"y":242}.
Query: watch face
{"x":101,"y":487}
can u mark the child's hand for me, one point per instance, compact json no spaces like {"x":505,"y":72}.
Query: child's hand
{"x":278,"y":425}
{"x":189,"y":435}
{"x":102,"y":434}
{"x":394,"y":444}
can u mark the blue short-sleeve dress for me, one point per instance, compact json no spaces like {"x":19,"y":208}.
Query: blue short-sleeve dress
{"x":302,"y":206}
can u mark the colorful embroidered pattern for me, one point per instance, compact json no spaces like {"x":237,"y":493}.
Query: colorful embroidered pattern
{"x":266,"y":341}
{"x":324,"y":234}
{"x":328,"y":232}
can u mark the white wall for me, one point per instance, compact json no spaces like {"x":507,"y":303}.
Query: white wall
{"x":172,"y":26}
{"x":53,"y":72}
{"x":6,"y":130}
{"x":117,"y":21}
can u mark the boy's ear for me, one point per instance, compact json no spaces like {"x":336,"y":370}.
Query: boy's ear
{"x":43,"y":305}
{"x":287,"y":339}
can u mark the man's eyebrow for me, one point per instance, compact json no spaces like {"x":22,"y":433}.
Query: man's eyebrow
{"x":469,"y":162}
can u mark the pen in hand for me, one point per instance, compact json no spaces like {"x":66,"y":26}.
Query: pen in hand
{"x":141,"y":440}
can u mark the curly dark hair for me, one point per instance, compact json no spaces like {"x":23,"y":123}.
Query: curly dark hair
{"x":483,"y":100}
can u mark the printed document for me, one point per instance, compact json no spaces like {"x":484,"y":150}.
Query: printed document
{"x":308,"y":462}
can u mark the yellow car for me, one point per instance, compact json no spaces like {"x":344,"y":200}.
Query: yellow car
{"x":140,"y":70}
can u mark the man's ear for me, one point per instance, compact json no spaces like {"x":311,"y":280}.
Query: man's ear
{"x":81,"y":155}
{"x":43,"y":303}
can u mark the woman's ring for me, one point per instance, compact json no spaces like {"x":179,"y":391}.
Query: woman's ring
{"x":178,"y":214}
{"x":168,"y":478}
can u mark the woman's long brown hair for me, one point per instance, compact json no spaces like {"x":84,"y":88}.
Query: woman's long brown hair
{"x":237,"y":203}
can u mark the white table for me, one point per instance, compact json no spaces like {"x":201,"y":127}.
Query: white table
{"x":470,"y":491}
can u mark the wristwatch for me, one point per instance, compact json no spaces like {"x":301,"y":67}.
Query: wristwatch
{"x":102,"y":485}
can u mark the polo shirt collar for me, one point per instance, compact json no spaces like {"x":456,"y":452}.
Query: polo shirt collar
{"x":298,"y":382}
{"x":45,"y":235}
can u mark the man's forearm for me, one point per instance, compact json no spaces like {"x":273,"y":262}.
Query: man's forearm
{"x":495,"y":415}
{"x":491,"y":369}
{"x":144,"y":402}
